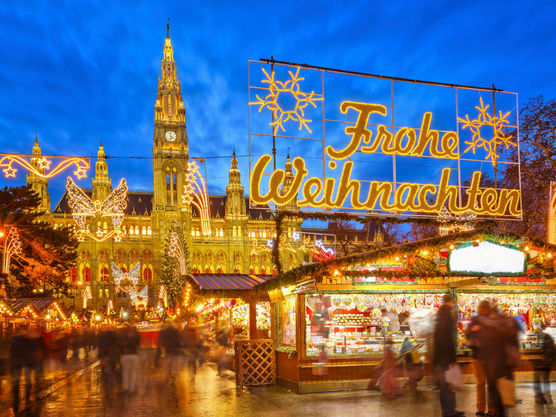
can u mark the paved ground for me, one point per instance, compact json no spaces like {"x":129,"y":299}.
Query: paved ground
{"x":210,"y":395}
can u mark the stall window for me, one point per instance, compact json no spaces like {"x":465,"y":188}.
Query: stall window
{"x":287,"y":329}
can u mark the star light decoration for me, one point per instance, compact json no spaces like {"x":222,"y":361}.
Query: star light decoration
{"x":82,"y":207}
{"x":175,"y":247}
{"x":126,"y":281}
{"x":485,"y":119}
{"x":450,"y":223}
{"x":7,"y":160}
{"x":271,"y":101}
{"x":195,"y":192}
{"x":12,"y":247}
{"x":139,"y":300}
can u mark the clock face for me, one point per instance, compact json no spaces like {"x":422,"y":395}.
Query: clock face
{"x":170,"y":136}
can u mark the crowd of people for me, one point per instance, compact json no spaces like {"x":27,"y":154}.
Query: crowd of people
{"x":494,"y":339}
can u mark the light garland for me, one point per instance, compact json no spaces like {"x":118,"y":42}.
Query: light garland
{"x":195,"y":192}
{"x":120,"y":277}
{"x":139,"y":300}
{"x":6,"y":161}
{"x":109,"y":307}
{"x":82,"y":207}
{"x":259,"y":248}
{"x":175,"y":247}
{"x":455,"y":223}
{"x":163,"y":296}
{"x":12,"y":247}
{"x":87,"y":295}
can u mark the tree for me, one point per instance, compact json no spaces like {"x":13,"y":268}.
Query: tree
{"x":47,"y":254}
{"x":175,"y":264}
{"x":537,"y":130}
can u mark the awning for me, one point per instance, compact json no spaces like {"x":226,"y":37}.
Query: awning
{"x":229,"y":281}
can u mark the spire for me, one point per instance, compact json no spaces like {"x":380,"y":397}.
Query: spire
{"x":36,"y":148}
{"x":288,"y":164}
{"x":169,"y":103}
{"x":235,"y":175}
{"x":102,"y":185}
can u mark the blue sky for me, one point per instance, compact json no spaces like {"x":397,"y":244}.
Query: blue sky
{"x":74,"y":71}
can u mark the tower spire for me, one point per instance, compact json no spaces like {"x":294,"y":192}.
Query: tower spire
{"x":168,"y":29}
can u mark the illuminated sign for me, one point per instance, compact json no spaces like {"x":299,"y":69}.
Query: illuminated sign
{"x":487,"y":258}
{"x":437,"y":161}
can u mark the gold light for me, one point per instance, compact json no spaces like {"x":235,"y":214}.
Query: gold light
{"x":81,"y":164}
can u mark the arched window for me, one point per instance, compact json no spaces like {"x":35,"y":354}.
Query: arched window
{"x":104,"y":273}
{"x":147,"y":256}
{"x":144,"y":231}
{"x":149,"y":231}
{"x":197,"y":257}
{"x":221,"y":232}
{"x":234,"y":231}
{"x":85,"y":255}
{"x":264,"y":233}
{"x":121,"y":255}
{"x":198,"y":233}
{"x":136,"y":230}
{"x":73,"y":274}
{"x":239,"y":231}
{"x":210,"y":257}
{"x":87,"y":274}
{"x":171,"y":185}
{"x":131,"y":231}
{"x":264,"y":257}
{"x":105,"y":227}
{"x":218,"y":271}
{"x":124,"y":230}
{"x":254,"y":258}
{"x":103,"y":255}
{"x":237,"y":257}
{"x":134,"y":256}
{"x":221,"y":257}
{"x":148,"y":274}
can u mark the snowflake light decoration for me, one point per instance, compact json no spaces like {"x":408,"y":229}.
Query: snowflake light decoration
{"x":498,"y":137}
{"x":302,"y":100}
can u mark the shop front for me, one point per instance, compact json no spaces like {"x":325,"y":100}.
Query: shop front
{"x":334,"y":319}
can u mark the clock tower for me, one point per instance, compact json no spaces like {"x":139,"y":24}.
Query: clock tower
{"x":170,"y":150}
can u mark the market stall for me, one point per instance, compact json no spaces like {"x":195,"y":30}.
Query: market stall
{"x":335,"y":318}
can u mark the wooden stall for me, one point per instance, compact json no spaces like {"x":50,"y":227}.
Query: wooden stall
{"x":333,"y":319}
{"x":229,"y":299}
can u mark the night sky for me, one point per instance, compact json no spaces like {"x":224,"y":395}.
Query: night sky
{"x":76,"y":73}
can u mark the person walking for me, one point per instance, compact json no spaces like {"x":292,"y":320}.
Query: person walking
{"x":542,"y":369}
{"x":190,"y":347}
{"x":172,"y":342}
{"x":444,"y":354}
{"x":474,"y":342}
{"x":129,"y":340}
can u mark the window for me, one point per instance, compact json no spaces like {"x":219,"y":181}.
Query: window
{"x":134,"y":256}
{"x":221,"y":257}
{"x":171,"y":186}
{"x":197,"y":257}
{"x":131,"y":230}
{"x":234,"y":233}
{"x":105,"y":227}
{"x":103,"y":255}
{"x":237,"y":257}
{"x":87,"y":274}
{"x":85,"y":255}
{"x":221,"y":232}
{"x":210,"y":257}
{"x":144,"y":231}
{"x":239,"y":231}
{"x":148,"y":274}
{"x":124,"y":229}
{"x":121,"y":255}
{"x":287,"y":330}
{"x":100,"y":290}
{"x":104,"y":274}
{"x":136,"y":230}
{"x":73,"y":274}
{"x":107,"y":292}
{"x":147,"y":256}
{"x":149,"y":231}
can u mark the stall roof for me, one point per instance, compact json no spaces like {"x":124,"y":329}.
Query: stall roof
{"x":42,"y":304}
{"x":301,"y":272}
{"x":229,"y":281}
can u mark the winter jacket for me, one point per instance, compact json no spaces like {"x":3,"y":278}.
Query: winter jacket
{"x":444,"y":346}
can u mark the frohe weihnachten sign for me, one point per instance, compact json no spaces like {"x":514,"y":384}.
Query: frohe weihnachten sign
{"x":444,"y":167}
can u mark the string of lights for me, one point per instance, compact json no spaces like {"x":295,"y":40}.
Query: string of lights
{"x":12,"y":247}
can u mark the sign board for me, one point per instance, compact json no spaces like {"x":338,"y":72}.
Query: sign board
{"x":322,"y":139}
{"x":480,"y":258}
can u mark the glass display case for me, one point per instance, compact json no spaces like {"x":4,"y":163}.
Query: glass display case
{"x":240,"y":322}
{"x":287,"y":321}
{"x":360,"y":324}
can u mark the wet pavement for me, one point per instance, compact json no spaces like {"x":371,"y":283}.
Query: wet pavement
{"x":157,"y":394}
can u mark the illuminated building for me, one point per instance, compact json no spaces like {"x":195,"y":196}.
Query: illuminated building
{"x":148,"y":216}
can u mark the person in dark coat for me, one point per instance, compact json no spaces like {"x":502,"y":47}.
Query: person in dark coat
{"x":129,"y":339}
{"x":191,"y":352}
{"x":172,"y":342}
{"x":542,"y":369}
{"x":26,"y":354}
{"x":444,"y":354}
{"x":474,"y":341}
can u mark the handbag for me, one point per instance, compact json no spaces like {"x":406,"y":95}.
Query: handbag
{"x":506,"y":390}
{"x":453,"y":378}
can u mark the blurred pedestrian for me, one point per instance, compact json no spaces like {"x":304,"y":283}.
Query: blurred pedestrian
{"x":390,"y":385}
{"x":191,"y":352}
{"x":223,"y":343}
{"x":129,"y":344}
{"x":76,"y":342}
{"x":109,"y":354}
{"x":172,"y":342}
{"x":474,"y":342}
{"x":89,"y":337}
{"x":59,"y":343}
{"x":542,"y":369}
{"x":444,"y":354}
{"x":26,"y":356}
